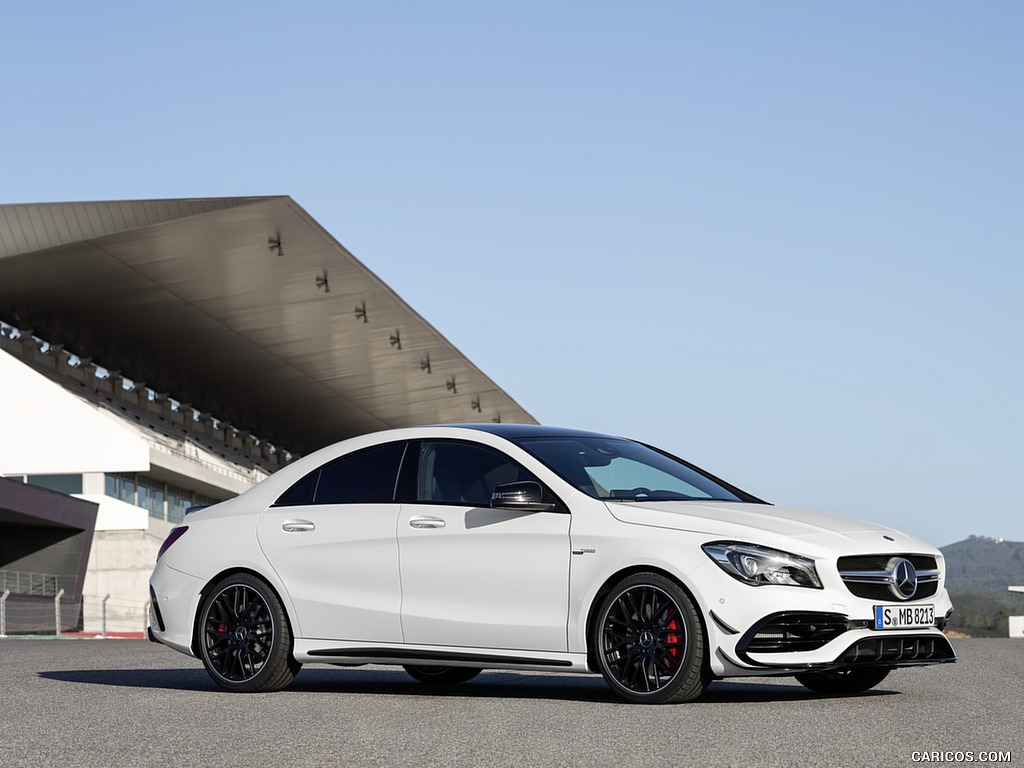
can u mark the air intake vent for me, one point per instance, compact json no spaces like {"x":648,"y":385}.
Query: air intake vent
{"x":786,"y":632}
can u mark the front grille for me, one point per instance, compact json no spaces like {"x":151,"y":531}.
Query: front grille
{"x":853,"y":568}
{"x":899,"y":650}
{"x":878,"y":562}
{"x":786,"y":632}
{"x":880,"y":592}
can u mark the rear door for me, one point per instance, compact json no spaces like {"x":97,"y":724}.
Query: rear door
{"x":331,"y":539}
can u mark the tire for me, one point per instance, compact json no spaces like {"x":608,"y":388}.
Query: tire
{"x":244,"y":638}
{"x":432,"y":675}
{"x":843,"y":681}
{"x":649,"y":641}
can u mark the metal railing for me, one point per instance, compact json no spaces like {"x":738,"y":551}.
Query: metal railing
{"x":26,"y":583}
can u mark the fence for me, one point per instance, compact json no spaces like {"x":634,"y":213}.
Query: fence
{"x":34,"y":614}
{"x":24,"y":613}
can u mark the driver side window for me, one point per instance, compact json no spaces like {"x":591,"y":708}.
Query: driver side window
{"x":462,"y":473}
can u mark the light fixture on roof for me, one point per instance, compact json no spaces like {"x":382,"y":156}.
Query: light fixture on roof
{"x":274,"y":245}
{"x":497,"y":419}
{"x":361,"y":312}
{"x":425,"y":364}
{"x":396,"y":339}
{"x":321,"y":282}
{"x":475,"y":404}
{"x":450,"y":386}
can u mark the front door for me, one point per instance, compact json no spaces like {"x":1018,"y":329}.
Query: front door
{"x":478,"y":577}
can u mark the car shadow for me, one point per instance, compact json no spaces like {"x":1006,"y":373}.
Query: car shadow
{"x":497,"y":685}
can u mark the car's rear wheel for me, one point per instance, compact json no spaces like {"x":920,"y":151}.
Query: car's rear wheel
{"x":244,"y":638}
{"x":435,"y":675}
{"x":649,"y":641}
{"x":841,"y":681}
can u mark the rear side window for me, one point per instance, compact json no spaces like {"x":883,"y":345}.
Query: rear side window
{"x":366,"y":477}
{"x":300,"y":493}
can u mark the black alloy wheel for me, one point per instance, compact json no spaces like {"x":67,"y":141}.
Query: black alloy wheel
{"x":434,"y":675}
{"x":649,"y":641}
{"x":842,"y":681}
{"x":244,"y":638}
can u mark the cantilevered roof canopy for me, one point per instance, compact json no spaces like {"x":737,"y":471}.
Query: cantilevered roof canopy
{"x":243,"y":307}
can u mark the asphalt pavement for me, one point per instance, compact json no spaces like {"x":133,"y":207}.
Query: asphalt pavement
{"x":81,"y":703}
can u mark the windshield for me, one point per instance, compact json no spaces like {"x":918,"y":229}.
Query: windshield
{"x":613,"y":468}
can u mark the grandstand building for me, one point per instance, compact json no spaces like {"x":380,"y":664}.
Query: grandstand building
{"x":160,"y":354}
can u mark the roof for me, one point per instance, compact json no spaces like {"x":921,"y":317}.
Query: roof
{"x":242,"y":307}
{"x":515,"y":431}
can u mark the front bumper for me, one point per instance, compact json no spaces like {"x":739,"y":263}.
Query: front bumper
{"x":780,"y":630}
{"x":858,"y":648}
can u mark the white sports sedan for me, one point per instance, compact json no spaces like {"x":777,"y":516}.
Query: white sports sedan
{"x":453,"y":549}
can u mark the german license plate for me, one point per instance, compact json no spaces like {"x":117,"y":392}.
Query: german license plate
{"x":904,"y":616}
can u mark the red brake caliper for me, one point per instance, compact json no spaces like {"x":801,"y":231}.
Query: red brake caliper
{"x":673,"y":640}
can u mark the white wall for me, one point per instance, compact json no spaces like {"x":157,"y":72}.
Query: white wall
{"x":49,"y":431}
{"x":117,"y":515}
{"x":120,"y":563}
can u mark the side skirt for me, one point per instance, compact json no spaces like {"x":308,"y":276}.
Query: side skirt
{"x":313,"y":651}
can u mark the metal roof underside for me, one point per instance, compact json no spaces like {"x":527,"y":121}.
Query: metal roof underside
{"x":189,"y":297}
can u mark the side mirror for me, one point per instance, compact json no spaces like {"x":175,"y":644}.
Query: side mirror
{"x":527,"y":496}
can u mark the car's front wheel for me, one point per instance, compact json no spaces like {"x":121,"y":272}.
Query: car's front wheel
{"x":649,"y":641}
{"x":433,"y":675}
{"x":244,"y":638}
{"x":841,"y":681}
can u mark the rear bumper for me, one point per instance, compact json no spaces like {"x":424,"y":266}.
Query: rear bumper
{"x":174,"y":604}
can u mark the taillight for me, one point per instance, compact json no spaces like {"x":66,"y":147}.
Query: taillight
{"x":173,"y":536}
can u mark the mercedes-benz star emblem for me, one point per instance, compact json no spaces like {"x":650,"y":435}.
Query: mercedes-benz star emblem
{"x":902,"y":578}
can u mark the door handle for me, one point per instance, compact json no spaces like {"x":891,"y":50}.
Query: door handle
{"x":426,"y":522}
{"x":297,"y":525}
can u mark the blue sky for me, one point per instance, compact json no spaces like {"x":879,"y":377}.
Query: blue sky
{"x":780,"y":239}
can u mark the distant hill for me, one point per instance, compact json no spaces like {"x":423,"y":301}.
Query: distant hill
{"x":978,"y":572}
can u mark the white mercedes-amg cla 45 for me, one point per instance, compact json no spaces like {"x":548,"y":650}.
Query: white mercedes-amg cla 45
{"x":453,"y":549}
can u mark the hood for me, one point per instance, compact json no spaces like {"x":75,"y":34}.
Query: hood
{"x":782,"y":527}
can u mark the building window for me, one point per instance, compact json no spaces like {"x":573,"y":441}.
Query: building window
{"x":60,"y":483}
{"x":178,"y":500}
{"x":162,"y":501}
{"x":151,"y":497}
{"x":121,"y":487}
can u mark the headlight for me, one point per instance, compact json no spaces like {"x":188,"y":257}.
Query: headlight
{"x":759,"y":566}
